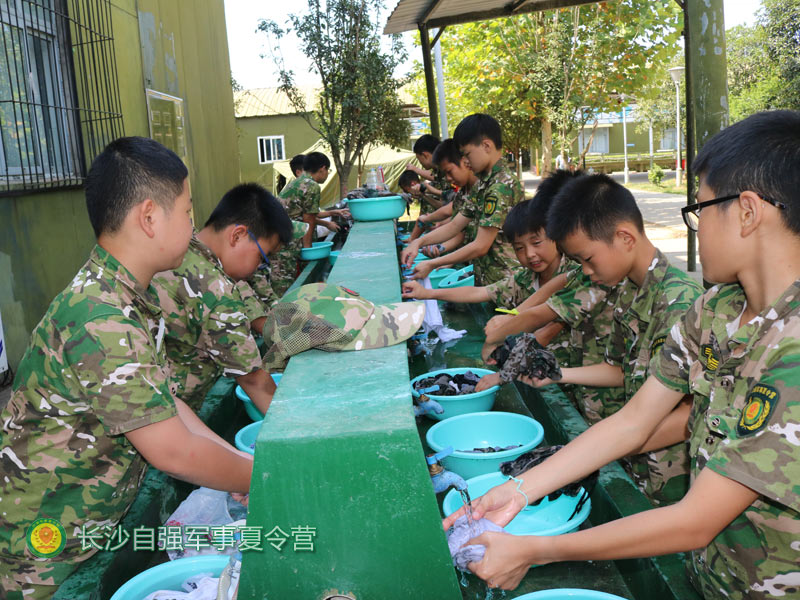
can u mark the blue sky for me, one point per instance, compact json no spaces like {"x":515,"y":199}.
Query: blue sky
{"x":246,"y":46}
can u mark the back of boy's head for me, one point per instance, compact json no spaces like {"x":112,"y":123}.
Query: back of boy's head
{"x":407,"y":179}
{"x":447,"y":151}
{"x":760,"y":154}
{"x":126,"y":173}
{"x":593,"y":204}
{"x":426,"y":143}
{"x":476,"y":128}
{"x":251,"y":205}
{"x":314,"y":161}
{"x":297,"y":163}
{"x":540,"y":204}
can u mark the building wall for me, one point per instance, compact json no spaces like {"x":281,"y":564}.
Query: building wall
{"x":640,"y":141}
{"x":174,"y":46}
{"x":298,"y":136}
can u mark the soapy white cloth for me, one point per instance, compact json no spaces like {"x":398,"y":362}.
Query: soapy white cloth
{"x":433,"y":319}
{"x":198,"y":587}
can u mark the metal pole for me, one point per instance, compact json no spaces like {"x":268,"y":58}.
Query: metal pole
{"x":429,"y":84}
{"x":651,"y":143}
{"x":677,"y":134}
{"x":625,"y":140}
{"x":437,"y":55}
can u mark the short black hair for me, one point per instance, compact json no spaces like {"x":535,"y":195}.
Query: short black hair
{"x":426,"y":143}
{"x":314,"y":161}
{"x":543,"y":198}
{"x":760,"y":154}
{"x":126,"y":173}
{"x":475,"y":128}
{"x":251,"y":205}
{"x":297,"y":163}
{"x":447,"y":151}
{"x":517,"y":221}
{"x":407,"y":178}
{"x":594,"y":204}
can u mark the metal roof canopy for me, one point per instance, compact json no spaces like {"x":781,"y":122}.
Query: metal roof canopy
{"x":412,"y":14}
{"x":704,"y":51}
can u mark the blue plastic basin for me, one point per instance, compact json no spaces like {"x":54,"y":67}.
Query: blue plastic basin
{"x":481,"y":430}
{"x":460,"y":405}
{"x":376,"y":209}
{"x":246,"y":437}
{"x":169,"y":576}
{"x":317,"y":251}
{"x":451,"y":281}
{"x":250,"y":408}
{"x":333,"y":256}
{"x":437,"y":275}
{"x":570,"y":594}
{"x":545,"y":518}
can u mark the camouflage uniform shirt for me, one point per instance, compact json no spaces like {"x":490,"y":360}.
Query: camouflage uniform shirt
{"x":94,"y":370}
{"x":643,"y":316}
{"x":496,"y":192}
{"x":744,"y":425}
{"x":301,"y":196}
{"x":588,"y":310}
{"x":520,"y":284}
{"x":208,"y":334}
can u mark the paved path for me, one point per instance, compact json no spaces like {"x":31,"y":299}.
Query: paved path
{"x":662,"y":216}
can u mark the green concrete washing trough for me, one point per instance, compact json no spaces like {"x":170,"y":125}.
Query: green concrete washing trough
{"x":339,"y":453}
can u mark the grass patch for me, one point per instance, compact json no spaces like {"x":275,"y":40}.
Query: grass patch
{"x":665,"y":187}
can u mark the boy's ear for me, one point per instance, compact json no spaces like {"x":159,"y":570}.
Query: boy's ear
{"x":625,"y":235}
{"x":236,"y":234}
{"x":751,"y":212}
{"x":146,"y":216}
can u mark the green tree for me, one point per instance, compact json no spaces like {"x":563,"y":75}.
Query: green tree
{"x":556,"y":63}
{"x":754,"y":82}
{"x":781,"y":21}
{"x":358,"y":104}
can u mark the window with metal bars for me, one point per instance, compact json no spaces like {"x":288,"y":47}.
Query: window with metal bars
{"x":59,"y":98}
{"x":270,"y":149}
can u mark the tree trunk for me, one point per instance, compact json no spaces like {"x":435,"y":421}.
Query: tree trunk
{"x":518,"y":160}
{"x":547,"y":147}
{"x":344,"y":174}
{"x":531,"y":155}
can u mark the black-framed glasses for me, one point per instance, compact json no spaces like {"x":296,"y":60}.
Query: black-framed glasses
{"x":691,"y":213}
{"x":265,"y":264}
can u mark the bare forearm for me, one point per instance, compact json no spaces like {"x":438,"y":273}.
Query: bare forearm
{"x":437,"y":236}
{"x":468,"y":295}
{"x":543,"y":293}
{"x":673,"y":429}
{"x":202,"y":462}
{"x":260,"y":387}
{"x":599,"y":375}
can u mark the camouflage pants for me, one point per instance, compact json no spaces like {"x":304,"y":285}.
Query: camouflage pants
{"x":662,"y":475}
{"x":597,"y":403}
{"x":261,"y":284}
{"x":29,"y":579}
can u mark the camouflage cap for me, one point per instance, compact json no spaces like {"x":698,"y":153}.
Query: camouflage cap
{"x":329,"y":317}
{"x":299,"y":229}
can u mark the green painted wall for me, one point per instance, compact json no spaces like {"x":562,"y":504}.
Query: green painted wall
{"x":45,"y":237}
{"x":640,"y":141}
{"x":297,"y":136}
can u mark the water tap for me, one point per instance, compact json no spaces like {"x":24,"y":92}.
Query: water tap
{"x":440,"y":478}
{"x":423,"y":405}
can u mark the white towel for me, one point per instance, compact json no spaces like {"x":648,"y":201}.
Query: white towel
{"x":433,"y":319}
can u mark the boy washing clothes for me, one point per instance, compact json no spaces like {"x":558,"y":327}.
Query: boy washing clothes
{"x":736,"y":351}
{"x":91,"y":404}
{"x":497,"y":190}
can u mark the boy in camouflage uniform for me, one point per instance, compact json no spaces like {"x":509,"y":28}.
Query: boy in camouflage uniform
{"x":480,"y":140}
{"x":91,"y":403}
{"x":208,"y":325}
{"x":596,"y":220}
{"x":301,"y":199}
{"x":432,"y":196}
{"x":736,"y":350}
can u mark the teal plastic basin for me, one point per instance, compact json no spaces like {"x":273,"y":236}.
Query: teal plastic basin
{"x":317,"y":251}
{"x":169,"y":576}
{"x":480,"y":430}
{"x":333,"y":256}
{"x":246,"y":437}
{"x":376,"y":209}
{"x":250,"y":408}
{"x":570,"y":594}
{"x":459,"y":405}
{"x":451,"y":281}
{"x":545,"y":518}
{"x":437,"y":275}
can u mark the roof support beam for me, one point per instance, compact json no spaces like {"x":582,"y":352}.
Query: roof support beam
{"x":505,"y":11}
{"x":430,"y":85}
{"x":436,"y":37}
{"x":429,"y":11}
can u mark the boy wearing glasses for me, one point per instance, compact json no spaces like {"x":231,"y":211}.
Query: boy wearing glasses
{"x":737,"y":351}
{"x":208,"y":321}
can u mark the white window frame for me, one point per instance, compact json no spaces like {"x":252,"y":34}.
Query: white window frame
{"x":582,"y":137}
{"x":671,"y":133}
{"x":268,"y":139}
